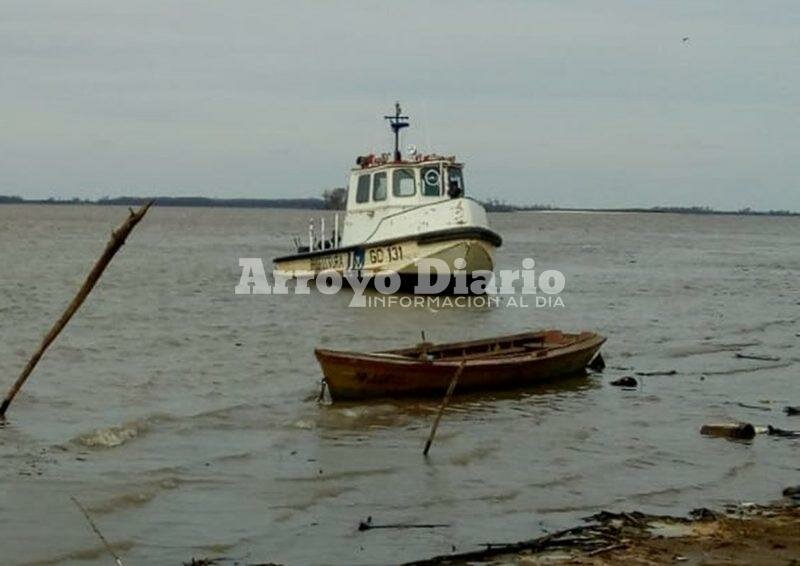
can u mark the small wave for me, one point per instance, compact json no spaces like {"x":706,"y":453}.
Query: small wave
{"x":748,"y":369}
{"x":638,"y":463}
{"x":446,"y":501}
{"x":317,"y":496}
{"x":368,"y":416}
{"x":735,"y":470}
{"x":335,"y":476}
{"x":124,"y":501}
{"x":112,"y":436}
{"x":709,"y":348}
{"x":474,"y":455}
{"x":566,"y":479}
{"x":665,"y":494}
{"x":86,"y":554}
{"x":139,"y":496}
{"x":765,"y":325}
{"x":236,"y":457}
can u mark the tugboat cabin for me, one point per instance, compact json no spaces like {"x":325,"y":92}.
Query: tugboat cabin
{"x":379,"y":188}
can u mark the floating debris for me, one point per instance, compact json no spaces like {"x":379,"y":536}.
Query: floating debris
{"x":652,"y":373}
{"x":627,"y":381}
{"x":792,"y":411}
{"x":793,"y":492}
{"x":742,"y":431}
{"x":368,"y":525}
{"x":773,"y":431}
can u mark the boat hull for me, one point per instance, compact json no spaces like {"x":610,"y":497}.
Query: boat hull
{"x":353,"y":376}
{"x":402,"y":255}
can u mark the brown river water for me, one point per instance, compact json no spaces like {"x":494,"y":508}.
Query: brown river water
{"x":184,"y":417}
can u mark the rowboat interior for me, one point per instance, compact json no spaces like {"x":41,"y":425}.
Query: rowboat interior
{"x":539,"y":343}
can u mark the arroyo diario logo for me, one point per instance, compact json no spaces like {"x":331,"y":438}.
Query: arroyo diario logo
{"x":435,"y":284}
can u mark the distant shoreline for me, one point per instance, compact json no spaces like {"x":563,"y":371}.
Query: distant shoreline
{"x":200,"y":202}
{"x":320,"y":204}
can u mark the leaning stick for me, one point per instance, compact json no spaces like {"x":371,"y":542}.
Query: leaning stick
{"x":117,"y":559}
{"x":118,"y":237}
{"x":446,"y":399}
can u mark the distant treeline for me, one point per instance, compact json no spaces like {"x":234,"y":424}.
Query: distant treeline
{"x":494,"y":205}
{"x":707,"y":210}
{"x":309,"y":203}
{"x":335,"y":200}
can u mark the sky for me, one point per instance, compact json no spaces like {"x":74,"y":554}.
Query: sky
{"x":567,"y":103}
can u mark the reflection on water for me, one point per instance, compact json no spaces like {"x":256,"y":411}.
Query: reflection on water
{"x":185,"y":417}
{"x":473,"y":405}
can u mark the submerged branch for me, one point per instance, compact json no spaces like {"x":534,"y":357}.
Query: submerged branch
{"x":110,"y":550}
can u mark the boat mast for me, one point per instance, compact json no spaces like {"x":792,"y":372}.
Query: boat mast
{"x":397,"y":123}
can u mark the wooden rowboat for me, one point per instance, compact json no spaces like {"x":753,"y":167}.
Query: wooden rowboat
{"x":426,"y":369}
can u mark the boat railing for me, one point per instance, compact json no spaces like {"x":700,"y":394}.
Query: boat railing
{"x":317,"y":239}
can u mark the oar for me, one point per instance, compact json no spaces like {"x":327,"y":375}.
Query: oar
{"x":446,"y":399}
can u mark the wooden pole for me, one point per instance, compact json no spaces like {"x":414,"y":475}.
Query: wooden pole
{"x":446,"y":399}
{"x":117,"y":240}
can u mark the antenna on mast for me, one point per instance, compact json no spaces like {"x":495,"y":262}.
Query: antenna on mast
{"x":397,"y":123}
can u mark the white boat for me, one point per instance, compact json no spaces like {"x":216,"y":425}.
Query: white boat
{"x":400,"y":210}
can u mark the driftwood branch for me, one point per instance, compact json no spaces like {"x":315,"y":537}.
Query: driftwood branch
{"x":368,"y":525}
{"x":117,"y":559}
{"x":117,"y":240}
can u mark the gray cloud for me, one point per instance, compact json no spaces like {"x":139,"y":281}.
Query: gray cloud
{"x":596,"y":104}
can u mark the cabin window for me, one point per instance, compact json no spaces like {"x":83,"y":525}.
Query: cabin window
{"x":431,"y":182}
{"x":455,"y":185}
{"x":362,"y":190}
{"x":379,"y":186}
{"x":403,"y":183}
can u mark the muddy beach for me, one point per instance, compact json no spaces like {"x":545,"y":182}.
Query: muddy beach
{"x":740,"y":534}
